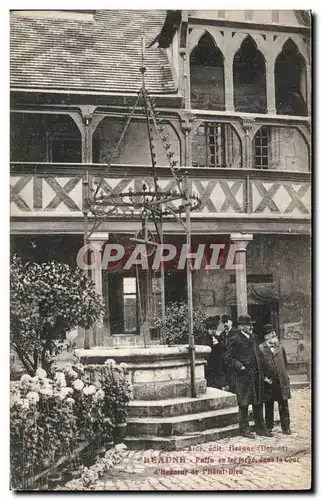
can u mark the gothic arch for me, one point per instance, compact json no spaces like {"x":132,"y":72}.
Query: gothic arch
{"x":297,"y":40}
{"x":207,"y":74}
{"x":249,"y":76}
{"x":197,"y":33}
{"x":290,"y":81}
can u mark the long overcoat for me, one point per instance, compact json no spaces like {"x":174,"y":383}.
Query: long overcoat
{"x":249,"y":385}
{"x":216,"y":369}
{"x":274,"y":366}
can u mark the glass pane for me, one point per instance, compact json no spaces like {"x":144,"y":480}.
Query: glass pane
{"x":129,"y":285}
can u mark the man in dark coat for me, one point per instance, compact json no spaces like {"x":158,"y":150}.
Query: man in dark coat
{"x":276,"y":379}
{"x":228,"y":332}
{"x":211,"y":369}
{"x":242,"y":356}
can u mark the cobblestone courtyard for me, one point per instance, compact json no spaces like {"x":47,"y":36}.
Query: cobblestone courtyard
{"x":236,"y":463}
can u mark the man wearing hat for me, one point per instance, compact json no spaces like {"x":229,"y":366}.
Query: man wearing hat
{"x":276,"y":379}
{"x":242,"y":356}
{"x":228,"y":331}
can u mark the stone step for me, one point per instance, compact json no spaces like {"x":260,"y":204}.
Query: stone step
{"x":300,"y":385}
{"x":170,"y":443}
{"x":180,"y":425}
{"x":214,"y":399}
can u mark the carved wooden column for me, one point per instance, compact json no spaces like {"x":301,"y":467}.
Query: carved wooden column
{"x":241,"y":241}
{"x":185,"y":80}
{"x":186,"y":126}
{"x":270,"y":84}
{"x":101,"y":328}
{"x":308,"y":88}
{"x":275,"y":150}
{"x":247,"y":160}
{"x":228,"y":145}
{"x":229,"y":82}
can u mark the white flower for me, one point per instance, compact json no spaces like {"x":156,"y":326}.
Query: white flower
{"x":46,"y":391}
{"x":22,"y":403}
{"x":70,"y":401}
{"x":60,"y":379}
{"x":41,"y":373}
{"x":110,"y":362}
{"x":120,"y":447}
{"x":91,"y":389}
{"x":67,"y":390}
{"x":33,"y":397}
{"x":46,"y":382}
{"x":25,"y":403}
{"x":72,"y":374}
{"x":25,"y":379}
{"x":97,"y":468}
{"x":78,"y":384}
{"x":100,"y":395}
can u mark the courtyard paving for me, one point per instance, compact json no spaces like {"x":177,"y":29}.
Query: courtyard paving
{"x":237,"y":463}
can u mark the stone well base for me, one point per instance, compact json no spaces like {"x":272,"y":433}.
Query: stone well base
{"x":156,"y":372}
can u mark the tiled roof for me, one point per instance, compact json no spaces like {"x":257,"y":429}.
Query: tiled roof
{"x":100,"y":55}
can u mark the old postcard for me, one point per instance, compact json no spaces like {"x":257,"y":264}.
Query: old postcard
{"x":160,"y":182}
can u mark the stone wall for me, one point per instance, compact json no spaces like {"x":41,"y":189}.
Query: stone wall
{"x":134,"y":149}
{"x":288,"y":150}
{"x":288,"y":258}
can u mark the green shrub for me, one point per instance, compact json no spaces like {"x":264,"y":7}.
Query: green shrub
{"x":176,"y":325}
{"x":47,"y":301}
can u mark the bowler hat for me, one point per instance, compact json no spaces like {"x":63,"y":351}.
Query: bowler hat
{"x":226,"y":317}
{"x":212,"y":321}
{"x":245,"y":319}
{"x":268,"y":329}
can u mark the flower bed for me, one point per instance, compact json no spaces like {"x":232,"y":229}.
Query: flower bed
{"x":89,"y":478}
{"x":50,"y":418}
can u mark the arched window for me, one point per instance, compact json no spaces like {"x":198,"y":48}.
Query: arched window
{"x":280,"y":148}
{"x":249,"y":79}
{"x":290,"y":81}
{"x":207,"y":75}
